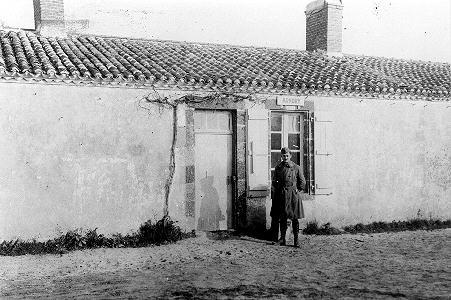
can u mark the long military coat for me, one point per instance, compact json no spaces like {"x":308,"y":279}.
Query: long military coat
{"x":287,"y":184}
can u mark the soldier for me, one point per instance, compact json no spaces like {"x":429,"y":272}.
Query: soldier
{"x":287,"y":184}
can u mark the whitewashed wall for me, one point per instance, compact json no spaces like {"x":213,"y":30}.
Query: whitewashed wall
{"x":391,"y":160}
{"x":76,"y":156}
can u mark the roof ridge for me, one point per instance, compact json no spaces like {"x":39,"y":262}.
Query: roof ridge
{"x":399,"y":59}
{"x":219,"y":45}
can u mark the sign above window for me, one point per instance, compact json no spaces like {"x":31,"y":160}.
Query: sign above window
{"x":290,"y":100}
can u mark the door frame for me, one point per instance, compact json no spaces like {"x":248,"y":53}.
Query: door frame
{"x":234,"y":153}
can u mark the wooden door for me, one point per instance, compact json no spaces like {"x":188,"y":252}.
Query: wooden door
{"x":213,"y":170}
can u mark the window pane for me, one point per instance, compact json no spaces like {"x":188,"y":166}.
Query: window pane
{"x":295,"y":157}
{"x":199,"y":120}
{"x":212,"y":120}
{"x":294,"y":141}
{"x":293,"y":123}
{"x":275,"y":159}
{"x":276,"y":122}
{"x":223,"y":120}
{"x":276,"y":141}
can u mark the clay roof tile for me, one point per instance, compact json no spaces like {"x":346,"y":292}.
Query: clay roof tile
{"x":99,"y":58}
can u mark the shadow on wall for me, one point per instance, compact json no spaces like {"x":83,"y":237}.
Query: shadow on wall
{"x":438,"y":169}
{"x":210,"y":212}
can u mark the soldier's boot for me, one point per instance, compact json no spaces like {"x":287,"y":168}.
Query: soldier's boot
{"x":274,"y":230}
{"x":283,"y":232}
{"x":282,"y":240}
{"x":296,"y":232}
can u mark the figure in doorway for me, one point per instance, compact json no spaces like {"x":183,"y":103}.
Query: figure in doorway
{"x":210,"y":212}
{"x":287,"y":185}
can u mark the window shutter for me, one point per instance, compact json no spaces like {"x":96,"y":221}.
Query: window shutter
{"x":257,"y":148}
{"x":323,"y":153}
{"x":309,"y":152}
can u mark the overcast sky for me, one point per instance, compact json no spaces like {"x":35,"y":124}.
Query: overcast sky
{"x":410,"y":29}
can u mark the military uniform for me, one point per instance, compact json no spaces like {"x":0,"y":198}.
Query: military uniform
{"x":287,"y":184}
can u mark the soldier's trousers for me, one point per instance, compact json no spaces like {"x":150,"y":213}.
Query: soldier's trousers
{"x":283,"y":227}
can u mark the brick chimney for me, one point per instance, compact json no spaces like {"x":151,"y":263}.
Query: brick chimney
{"x":49,"y":17}
{"x":324,"y":26}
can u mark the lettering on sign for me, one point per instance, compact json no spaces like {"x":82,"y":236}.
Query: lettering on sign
{"x":290,"y":100}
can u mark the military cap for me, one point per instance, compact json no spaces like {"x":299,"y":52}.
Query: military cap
{"x":285,"y":150}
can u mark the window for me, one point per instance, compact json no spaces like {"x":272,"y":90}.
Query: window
{"x":212,"y":121}
{"x":286,"y":131}
{"x":308,"y":134}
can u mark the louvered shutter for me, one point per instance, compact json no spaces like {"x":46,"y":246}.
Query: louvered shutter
{"x":309,"y":152}
{"x":323,"y":153}
{"x":257,"y":148}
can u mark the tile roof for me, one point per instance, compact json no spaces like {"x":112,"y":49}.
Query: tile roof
{"x":116,"y":61}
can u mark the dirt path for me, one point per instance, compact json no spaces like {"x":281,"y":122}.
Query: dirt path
{"x":395,"y":265}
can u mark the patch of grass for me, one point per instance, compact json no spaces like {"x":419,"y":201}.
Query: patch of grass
{"x":395,"y":226}
{"x":376,"y":227}
{"x":161,"y":232}
{"x":313,"y":228}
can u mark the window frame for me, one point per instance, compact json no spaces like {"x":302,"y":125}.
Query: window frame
{"x":306,"y":138}
{"x":216,"y":113}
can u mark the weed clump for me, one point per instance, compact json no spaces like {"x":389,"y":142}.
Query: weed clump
{"x":150,"y":233}
{"x":377,"y":227}
{"x":161,"y":232}
{"x":395,"y":226}
{"x":313,"y":228}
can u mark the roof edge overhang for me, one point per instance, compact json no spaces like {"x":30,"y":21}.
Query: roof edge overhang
{"x":134,"y":84}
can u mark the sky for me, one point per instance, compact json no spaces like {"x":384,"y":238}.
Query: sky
{"x":409,"y":29}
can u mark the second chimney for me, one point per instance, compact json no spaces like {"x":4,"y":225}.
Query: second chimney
{"x":324,"y":26}
{"x":49,"y":17}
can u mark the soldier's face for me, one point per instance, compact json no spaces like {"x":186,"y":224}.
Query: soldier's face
{"x":286,"y":157}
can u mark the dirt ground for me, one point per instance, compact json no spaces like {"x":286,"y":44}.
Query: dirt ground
{"x":388,"y":265}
